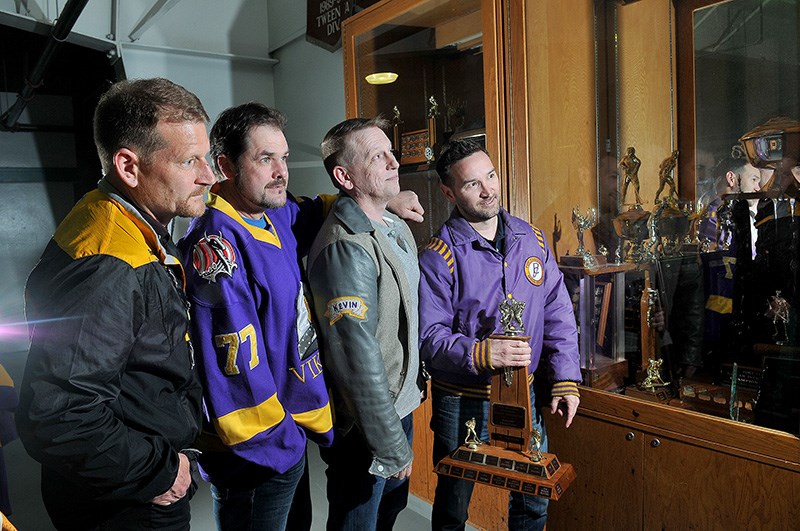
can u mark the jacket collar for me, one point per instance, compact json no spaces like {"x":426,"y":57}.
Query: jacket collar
{"x":463,"y":233}
{"x":156,"y":234}
{"x":352,"y":217}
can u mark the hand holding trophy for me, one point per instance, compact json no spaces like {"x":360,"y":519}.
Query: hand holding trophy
{"x":512,"y":458}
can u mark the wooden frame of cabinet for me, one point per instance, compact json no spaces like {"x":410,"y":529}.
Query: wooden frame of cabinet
{"x":643,"y":465}
{"x":503,"y":30}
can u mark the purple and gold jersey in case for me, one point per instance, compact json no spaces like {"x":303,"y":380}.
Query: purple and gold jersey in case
{"x":257,"y":351}
{"x":463,"y":281}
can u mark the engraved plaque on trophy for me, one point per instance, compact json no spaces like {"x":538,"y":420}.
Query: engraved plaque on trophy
{"x":511,"y":459}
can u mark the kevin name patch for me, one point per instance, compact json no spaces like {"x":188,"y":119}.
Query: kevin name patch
{"x":341,"y":306}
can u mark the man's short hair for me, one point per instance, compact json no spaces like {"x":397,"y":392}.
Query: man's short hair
{"x":336,"y":150}
{"x":734,"y":161}
{"x":128,"y":113}
{"x":451,"y":153}
{"x":229,"y":132}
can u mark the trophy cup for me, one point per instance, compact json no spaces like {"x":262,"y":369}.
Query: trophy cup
{"x":511,"y":459}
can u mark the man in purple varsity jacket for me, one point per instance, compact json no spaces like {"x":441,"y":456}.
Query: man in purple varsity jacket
{"x":481,"y":256}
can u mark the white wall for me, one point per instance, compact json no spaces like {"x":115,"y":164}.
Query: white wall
{"x":309,"y":89}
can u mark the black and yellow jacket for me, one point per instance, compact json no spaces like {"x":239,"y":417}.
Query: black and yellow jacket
{"x":110,"y":394}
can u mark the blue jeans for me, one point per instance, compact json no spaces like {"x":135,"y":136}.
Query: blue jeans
{"x":263,"y":508}
{"x":451,"y":501}
{"x":356,"y":499}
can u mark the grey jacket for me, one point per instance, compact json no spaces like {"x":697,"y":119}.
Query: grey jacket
{"x":362,"y":300}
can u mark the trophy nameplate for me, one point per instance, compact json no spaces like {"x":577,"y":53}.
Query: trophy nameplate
{"x":412,"y":146}
{"x":511,"y":458}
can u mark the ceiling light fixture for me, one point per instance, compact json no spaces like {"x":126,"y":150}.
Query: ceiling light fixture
{"x":381,"y":78}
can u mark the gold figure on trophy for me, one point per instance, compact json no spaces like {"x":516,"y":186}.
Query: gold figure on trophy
{"x":536,"y":445}
{"x":630,"y":165}
{"x":472,"y":441}
{"x":665,"y":178}
{"x":511,"y":321}
{"x":653,"y":378}
{"x":582,"y":223}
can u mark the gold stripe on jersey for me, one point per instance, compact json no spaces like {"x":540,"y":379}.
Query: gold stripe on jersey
{"x":316,"y":420}
{"x":243,"y":424}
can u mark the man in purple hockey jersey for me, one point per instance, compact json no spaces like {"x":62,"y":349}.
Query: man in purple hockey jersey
{"x":481,"y":256}
{"x":264,"y":392}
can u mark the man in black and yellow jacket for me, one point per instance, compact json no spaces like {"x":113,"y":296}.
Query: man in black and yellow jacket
{"x":110,"y":402}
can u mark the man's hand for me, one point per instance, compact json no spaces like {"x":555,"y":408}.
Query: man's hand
{"x":510,"y":353}
{"x":180,"y":486}
{"x":406,"y":205}
{"x":403,"y":474}
{"x":566,"y":406}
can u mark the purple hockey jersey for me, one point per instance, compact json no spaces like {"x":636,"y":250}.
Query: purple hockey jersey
{"x":256,"y":347}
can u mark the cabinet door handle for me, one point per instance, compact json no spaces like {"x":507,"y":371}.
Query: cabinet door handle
{"x":655,"y":443}
{"x":629,"y":436}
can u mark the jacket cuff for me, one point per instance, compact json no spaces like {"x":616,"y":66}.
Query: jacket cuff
{"x":387,"y":469}
{"x":565,"y":388}
{"x":482,"y":355}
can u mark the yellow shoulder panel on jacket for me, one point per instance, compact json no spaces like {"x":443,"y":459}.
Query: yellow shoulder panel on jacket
{"x":98,"y":225}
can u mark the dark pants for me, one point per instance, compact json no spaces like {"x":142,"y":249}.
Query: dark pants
{"x":70,"y":511}
{"x":358,"y":500}
{"x":263,"y":508}
{"x":451,"y":501}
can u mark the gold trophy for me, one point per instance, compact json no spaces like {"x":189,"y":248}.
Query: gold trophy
{"x":511,"y":459}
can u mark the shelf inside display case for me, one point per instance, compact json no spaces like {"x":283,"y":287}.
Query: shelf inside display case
{"x":598,"y":296}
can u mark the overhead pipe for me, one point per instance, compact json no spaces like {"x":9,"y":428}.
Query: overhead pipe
{"x":61,"y":30}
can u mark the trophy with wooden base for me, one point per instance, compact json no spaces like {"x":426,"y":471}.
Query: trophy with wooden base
{"x":511,"y":459}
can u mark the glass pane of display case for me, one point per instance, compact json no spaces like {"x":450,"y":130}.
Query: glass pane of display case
{"x":423,"y":71}
{"x":711,"y":295}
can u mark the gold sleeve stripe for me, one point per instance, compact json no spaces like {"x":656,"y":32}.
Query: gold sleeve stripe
{"x":471,"y":391}
{"x":244,"y":424}
{"x":539,"y":236}
{"x":436,"y":244}
{"x":565,"y":388}
{"x":316,"y":420}
{"x":482,"y":355}
{"x":719,"y":304}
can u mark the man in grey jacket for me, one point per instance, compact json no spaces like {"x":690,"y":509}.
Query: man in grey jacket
{"x":364,"y":275}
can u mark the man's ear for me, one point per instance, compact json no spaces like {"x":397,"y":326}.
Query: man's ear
{"x":730,"y":178}
{"x":448,"y":193}
{"x":342,"y":177}
{"x":226,"y":166}
{"x":127,"y":166}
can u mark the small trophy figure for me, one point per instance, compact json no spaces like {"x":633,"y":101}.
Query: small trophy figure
{"x":582,"y":223}
{"x":779,"y":312}
{"x":630,"y":165}
{"x":433,"y":112}
{"x":396,"y":121}
{"x":472,"y":441}
{"x":511,"y":321}
{"x":434,"y":109}
{"x":653,"y":378}
{"x":536,"y":445}
{"x":665,"y":178}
